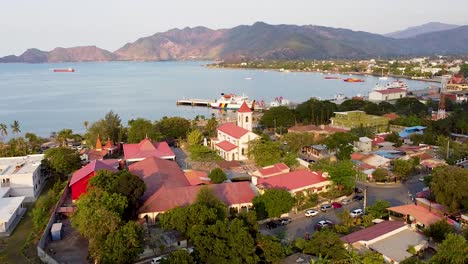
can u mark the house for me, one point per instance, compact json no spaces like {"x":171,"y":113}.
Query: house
{"x":316,"y":152}
{"x":430,"y":164}
{"x":370,"y":160}
{"x":421,"y":214}
{"x":294,"y":181}
{"x":353,"y":119}
{"x":364,"y":144}
{"x":272,"y":170}
{"x":23,"y":176}
{"x":319,"y":132}
{"x":145,"y":149}
{"x":389,"y":238}
{"x":195,"y":177}
{"x":408,"y":131}
{"x":80,"y":178}
{"x":391,"y":116}
{"x":11,"y":211}
{"x":99,"y":152}
{"x":232,"y":141}
{"x":387,"y":94}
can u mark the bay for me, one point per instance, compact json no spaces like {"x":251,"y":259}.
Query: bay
{"x":44,"y":101}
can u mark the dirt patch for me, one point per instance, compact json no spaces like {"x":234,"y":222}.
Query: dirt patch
{"x":73,"y":248}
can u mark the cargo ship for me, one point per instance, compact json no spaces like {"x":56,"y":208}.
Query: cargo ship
{"x":64,"y":70}
{"x":353,"y":80}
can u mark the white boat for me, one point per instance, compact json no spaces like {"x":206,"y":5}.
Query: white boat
{"x":279,"y":101}
{"x":392,"y":85}
{"x":248,"y":78}
{"x":383,"y":78}
{"x":234,"y":102}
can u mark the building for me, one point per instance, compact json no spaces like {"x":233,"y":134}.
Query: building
{"x":99,"y":152}
{"x":319,"y":132}
{"x":232,"y":141}
{"x":421,"y":214}
{"x":457,"y":83}
{"x":387,"y":94}
{"x":316,"y":152}
{"x":80,"y":178}
{"x":364,"y":144}
{"x":272,"y":170}
{"x":145,"y":149}
{"x":408,"y":131}
{"x":11,"y":211}
{"x":354,"y":119}
{"x":23,"y":176}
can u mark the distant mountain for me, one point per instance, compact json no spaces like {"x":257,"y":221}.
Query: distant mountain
{"x":419,"y":30}
{"x":260,"y":41}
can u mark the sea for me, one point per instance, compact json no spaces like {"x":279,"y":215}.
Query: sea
{"x":44,"y":101}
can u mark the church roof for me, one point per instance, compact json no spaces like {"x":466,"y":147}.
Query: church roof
{"x":233,"y":130}
{"x":244,"y":108}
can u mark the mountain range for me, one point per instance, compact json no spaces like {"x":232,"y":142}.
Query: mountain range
{"x":264,"y":41}
{"x":419,"y":30}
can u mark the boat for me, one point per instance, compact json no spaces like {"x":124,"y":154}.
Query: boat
{"x":234,"y":102}
{"x":248,"y":78}
{"x":332,"y":78}
{"x":383,"y":78}
{"x":392,"y":85}
{"x":64,"y":70}
{"x":279,"y":101}
{"x":353,"y":80}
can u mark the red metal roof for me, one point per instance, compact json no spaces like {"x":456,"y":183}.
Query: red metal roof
{"x":273,"y":169}
{"x":93,"y":166}
{"x":244,"y":108}
{"x":146,"y":149}
{"x":197,"y":177}
{"x":233,"y":130}
{"x":373,"y":231}
{"x":292,"y":180}
{"x":168,"y":198}
{"x":419,"y":212}
{"x":156,"y":172}
{"x":391,"y":116}
{"x":390,"y":91}
{"x":226,"y":145}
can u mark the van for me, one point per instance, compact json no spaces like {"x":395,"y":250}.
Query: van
{"x":326,"y":207}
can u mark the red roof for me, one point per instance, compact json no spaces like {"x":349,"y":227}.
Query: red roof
{"x":168,"y":198}
{"x":94,"y":154}
{"x":233,"y":130}
{"x":109,"y":144}
{"x":292,"y":180}
{"x":419,"y":212}
{"x":98,"y":144}
{"x":273,"y":169}
{"x":226,"y":145}
{"x":156,"y":172}
{"x":197,"y":177}
{"x":146,"y":149}
{"x":244,"y":108}
{"x":391,"y":116}
{"x":390,"y":91}
{"x":373,"y":232}
{"x":93,"y":166}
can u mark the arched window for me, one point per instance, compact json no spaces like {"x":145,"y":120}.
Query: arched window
{"x":243,"y":151}
{"x":233,"y":157}
{"x":247,"y":119}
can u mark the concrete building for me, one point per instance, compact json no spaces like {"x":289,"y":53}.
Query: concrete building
{"x":232,"y":141}
{"x":364,"y":144}
{"x":354,"y":119}
{"x":23,"y":175}
{"x":387,"y":94}
{"x":11,"y":211}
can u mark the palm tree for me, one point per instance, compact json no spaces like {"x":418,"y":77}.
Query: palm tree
{"x":15,"y":127}
{"x":3,"y":130}
{"x":86,"y":123}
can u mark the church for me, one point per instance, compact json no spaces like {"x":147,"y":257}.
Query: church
{"x":232,"y":141}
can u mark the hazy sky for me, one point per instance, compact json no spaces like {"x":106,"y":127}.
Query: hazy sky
{"x":109,"y":24}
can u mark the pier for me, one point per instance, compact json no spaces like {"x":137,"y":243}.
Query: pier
{"x":194,"y":102}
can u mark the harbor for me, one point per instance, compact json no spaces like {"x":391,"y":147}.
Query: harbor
{"x":195,"y":102}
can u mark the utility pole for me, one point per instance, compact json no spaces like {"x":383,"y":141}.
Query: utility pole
{"x":365,"y":200}
{"x":448,"y":148}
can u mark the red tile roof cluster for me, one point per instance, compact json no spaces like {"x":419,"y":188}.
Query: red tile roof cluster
{"x":292,"y":180}
{"x":233,"y":130}
{"x":93,"y":166}
{"x":156,"y":172}
{"x":273,"y":169}
{"x":167,"y":198}
{"x":226,"y":145}
{"x":373,"y":232}
{"x":197,"y":177}
{"x":391,"y":91}
{"x":146,"y":149}
{"x":244,"y":108}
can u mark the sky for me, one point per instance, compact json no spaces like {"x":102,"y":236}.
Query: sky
{"x":109,"y":24}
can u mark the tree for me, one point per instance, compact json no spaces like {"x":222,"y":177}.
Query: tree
{"x":380,"y":174}
{"x":372,"y":257}
{"x":269,"y":249}
{"x":452,"y":250}
{"x":211,"y":126}
{"x":265,"y":153}
{"x":464,"y":70}
{"x":124,"y":245}
{"x":394,"y":138}
{"x":295,"y":141}
{"x":438,"y":230}
{"x":378,"y":209}
{"x":290,"y":159}
{"x":342,"y":174}
{"x":34,"y":142}
{"x":194,"y":137}
{"x":410,"y":105}
{"x":202,"y":153}
{"x":403,"y":168}
{"x":63,"y":135}
{"x":224,"y":242}
{"x":208,"y":198}
{"x":139,"y":129}
{"x":3,"y":131}
{"x":326,"y":243}
{"x":173,"y":127}
{"x":217,"y":175}
{"x":450,"y":187}
{"x":274,"y":202}
{"x":180,"y":257}
{"x":278,"y":117}
{"x":342,"y":142}
{"x":108,"y":127}
{"x":15,"y":127}
{"x":86,"y":124}
{"x":315,"y":111}
{"x":63,"y":160}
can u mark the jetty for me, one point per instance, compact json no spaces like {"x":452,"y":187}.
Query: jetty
{"x":194,"y":102}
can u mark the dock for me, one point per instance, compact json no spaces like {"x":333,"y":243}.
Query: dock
{"x":194,"y":102}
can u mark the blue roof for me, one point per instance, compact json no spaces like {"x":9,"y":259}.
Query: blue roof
{"x":411,"y":130}
{"x":389,"y":154}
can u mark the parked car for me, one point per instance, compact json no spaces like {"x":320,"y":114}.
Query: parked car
{"x":285,"y":220}
{"x":323,"y":224}
{"x":311,"y":212}
{"x":346,"y":201}
{"x":358,"y":197}
{"x":356,"y":213}
{"x":336,"y":205}
{"x":326,"y":207}
{"x":158,"y":260}
{"x":271,"y":225}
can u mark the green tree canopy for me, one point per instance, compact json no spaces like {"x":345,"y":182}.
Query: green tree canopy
{"x":139,"y":129}
{"x":315,"y":112}
{"x":108,"y":127}
{"x":454,"y":250}
{"x":180,"y":257}
{"x":464,"y":70}
{"x":217,"y":175}
{"x":265,"y":153}
{"x":409,"y":106}
{"x":269,"y":249}
{"x":124,"y":245}
{"x":439,"y":230}
{"x":342,"y":173}
{"x":450,"y":187}
{"x":274,"y":202}
{"x":378,"y":209}
{"x":380,"y":174}
{"x":342,"y":142}
{"x":276,"y":117}
{"x":403,"y":168}
{"x":295,"y":141}
{"x":325,"y":243}
{"x":194,"y":137}
{"x":173,"y":127}
{"x":63,"y":160}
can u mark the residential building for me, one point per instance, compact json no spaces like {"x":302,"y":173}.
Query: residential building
{"x":145,"y":149}
{"x":421,"y":214}
{"x":11,"y":211}
{"x":364,"y":144}
{"x":80,"y":178}
{"x":387,"y":94}
{"x":232,"y":141}
{"x":316,"y":152}
{"x":23,"y":176}
{"x":354,"y":119}
{"x":408,"y":131}
{"x":99,"y":152}
{"x":272,"y":170}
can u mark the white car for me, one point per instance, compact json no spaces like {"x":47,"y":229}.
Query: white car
{"x":356,"y":213}
{"x":311,"y":212}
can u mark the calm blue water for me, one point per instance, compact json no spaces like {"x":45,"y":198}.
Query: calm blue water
{"x":44,"y":101}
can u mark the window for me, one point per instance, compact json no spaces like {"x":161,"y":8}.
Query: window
{"x":243,"y":151}
{"x":247,"y":119}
